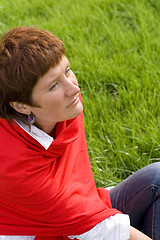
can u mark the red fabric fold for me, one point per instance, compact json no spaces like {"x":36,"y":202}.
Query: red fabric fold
{"x":48,"y":192}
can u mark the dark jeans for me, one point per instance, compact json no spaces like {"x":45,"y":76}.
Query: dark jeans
{"x":139,"y":197}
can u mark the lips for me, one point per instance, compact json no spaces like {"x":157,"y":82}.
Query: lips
{"x":76,"y":100}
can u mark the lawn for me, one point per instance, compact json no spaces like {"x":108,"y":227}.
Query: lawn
{"x":114,"y":50}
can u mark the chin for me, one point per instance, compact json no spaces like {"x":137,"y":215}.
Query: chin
{"x":77,"y":112}
{"x":80,"y":109}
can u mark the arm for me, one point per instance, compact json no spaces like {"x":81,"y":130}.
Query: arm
{"x":137,"y":235}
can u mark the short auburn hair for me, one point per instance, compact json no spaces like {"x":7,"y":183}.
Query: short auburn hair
{"x":26,"y":54}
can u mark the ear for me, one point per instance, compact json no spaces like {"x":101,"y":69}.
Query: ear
{"x":20,"y":107}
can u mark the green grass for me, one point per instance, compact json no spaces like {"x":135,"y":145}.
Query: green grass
{"x":114,"y":49}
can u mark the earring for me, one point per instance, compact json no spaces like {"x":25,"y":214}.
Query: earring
{"x":31,"y":119}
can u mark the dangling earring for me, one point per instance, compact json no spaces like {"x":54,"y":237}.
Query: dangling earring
{"x":31,"y":119}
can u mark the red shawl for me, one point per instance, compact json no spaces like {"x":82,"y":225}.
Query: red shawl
{"x":48,"y":192}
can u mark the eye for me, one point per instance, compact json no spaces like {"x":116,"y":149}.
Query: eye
{"x":68,"y":69}
{"x":53,"y":86}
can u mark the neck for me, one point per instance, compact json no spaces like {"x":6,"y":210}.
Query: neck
{"x":49,"y":129}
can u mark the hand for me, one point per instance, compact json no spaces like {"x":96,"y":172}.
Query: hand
{"x":137,"y":235}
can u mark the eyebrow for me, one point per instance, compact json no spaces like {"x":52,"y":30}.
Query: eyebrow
{"x":48,"y":85}
{"x":51,"y":83}
{"x":68,"y":63}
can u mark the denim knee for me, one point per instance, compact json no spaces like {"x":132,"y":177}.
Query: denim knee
{"x":154,"y":173}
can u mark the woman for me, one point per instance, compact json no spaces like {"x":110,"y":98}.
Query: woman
{"x":47,"y":188}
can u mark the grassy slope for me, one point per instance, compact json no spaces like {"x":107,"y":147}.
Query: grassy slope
{"x":114,"y":48}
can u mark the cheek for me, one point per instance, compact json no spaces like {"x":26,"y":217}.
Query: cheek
{"x":54,"y":101}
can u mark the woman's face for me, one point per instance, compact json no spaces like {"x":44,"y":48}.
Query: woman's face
{"x":56,"y":96}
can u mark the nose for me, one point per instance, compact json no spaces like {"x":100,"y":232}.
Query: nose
{"x":71,"y":88}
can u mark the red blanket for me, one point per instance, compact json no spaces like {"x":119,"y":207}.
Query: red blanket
{"x":48,"y":192}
